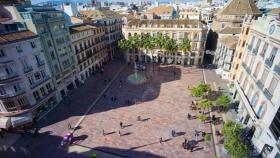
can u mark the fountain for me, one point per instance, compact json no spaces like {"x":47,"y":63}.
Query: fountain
{"x":136,"y":78}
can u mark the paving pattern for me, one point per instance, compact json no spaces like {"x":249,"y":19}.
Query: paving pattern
{"x":162,"y":103}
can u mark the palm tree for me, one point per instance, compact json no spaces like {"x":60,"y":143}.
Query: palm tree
{"x":149,"y":43}
{"x":170,"y":46}
{"x":185,"y":46}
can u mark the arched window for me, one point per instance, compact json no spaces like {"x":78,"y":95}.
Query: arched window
{"x":129,"y":34}
{"x":257,"y":70}
{"x":254,"y":100}
{"x":261,"y":110}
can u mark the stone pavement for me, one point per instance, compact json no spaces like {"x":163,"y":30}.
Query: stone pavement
{"x":163,"y":103}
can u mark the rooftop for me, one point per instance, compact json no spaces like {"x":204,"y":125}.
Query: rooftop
{"x":16,"y":36}
{"x":79,"y":28}
{"x":275,"y":11}
{"x":166,"y":22}
{"x":229,"y":41}
{"x":230,"y":30}
{"x":240,"y":7}
{"x":99,"y":14}
{"x":161,"y":10}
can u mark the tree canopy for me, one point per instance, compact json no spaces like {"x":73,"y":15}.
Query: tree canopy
{"x":223,"y":101}
{"x":205,"y":103}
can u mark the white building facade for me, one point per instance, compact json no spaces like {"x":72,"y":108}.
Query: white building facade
{"x":90,"y":47}
{"x":26,"y":88}
{"x":257,"y":86}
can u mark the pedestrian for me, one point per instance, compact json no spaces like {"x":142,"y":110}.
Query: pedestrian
{"x":36,"y":131}
{"x":112,"y":98}
{"x":191,"y":148}
{"x":189,"y":116}
{"x":139,"y":118}
{"x":120,"y":133}
{"x":121,"y":124}
{"x":186,"y":141}
{"x":69,"y":126}
{"x":1,"y":134}
{"x":103,"y":132}
{"x":160,"y":140}
{"x":173,"y":133}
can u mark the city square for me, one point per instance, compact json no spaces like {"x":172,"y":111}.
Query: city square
{"x":162,"y":103}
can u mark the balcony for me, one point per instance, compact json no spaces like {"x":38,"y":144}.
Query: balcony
{"x":268,"y":62}
{"x":250,"y":47}
{"x":27,"y":69}
{"x":248,"y":70}
{"x":277,"y":69}
{"x":255,"y":51}
{"x":267,"y":94}
{"x":13,"y":94}
{"x":9,"y":76}
{"x":46,"y":78}
{"x":244,"y":65}
{"x":260,"y":84}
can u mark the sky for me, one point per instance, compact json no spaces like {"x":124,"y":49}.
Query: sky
{"x":39,"y":1}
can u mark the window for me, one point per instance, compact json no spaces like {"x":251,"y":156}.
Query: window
{"x":9,"y":70}
{"x":261,"y":110}
{"x":241,"y":77}
{"x":36,"y":95}
{"x":17,"y":87}
{"x":56,"y":68}
{"x":243,"y":43}
{"x":258,"y":45}
{"x":273,"y":54}
{"x":49,"y":43}
{"x":33,"y":44}
{"x":18,"y":48}
{"x":2,"y":91}
{"x":43,"y":92}
{"x":257,"y":70}
{"x":43,"y":73}
{"x":10,"y":105}
{"x":273,"y":85}
{"x":37,"y":76}
{"x":49,"y":87}
{"x":247,"y":30}
{"x":254,"y":100}
{"x":250,"y":91}
{"x":21,"y":101}
{"x":2,"y":54}
{"x":252,"y":40}
{"x":264,"y":76}
{"x":245,"y":83}
{"x":52,"y":55}
{"x":265,"y":46}
{"x":31,"y":80}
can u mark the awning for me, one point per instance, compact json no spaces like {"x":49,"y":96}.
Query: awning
{"x":5,"y":122}
{"x":22,"y":119}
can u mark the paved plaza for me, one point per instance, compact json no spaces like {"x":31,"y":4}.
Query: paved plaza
{"x":162,"y":103}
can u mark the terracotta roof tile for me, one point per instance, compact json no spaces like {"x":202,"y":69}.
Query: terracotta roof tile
{"x":16,"y":36}
{"x":229,"y":41}
{"x":161,"y":10}
{"x":166,"y":23}
{"x":99,"y":14}
{"x":230,"y":30}
{"x":240,"y":7}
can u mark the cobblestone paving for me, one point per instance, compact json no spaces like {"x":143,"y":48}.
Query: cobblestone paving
{"x":163,"y":103}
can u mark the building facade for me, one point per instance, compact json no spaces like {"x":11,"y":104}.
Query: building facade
{"x":50,"y":25}
{"x":240,"y":48}
{"x":26,"y":88}
{"x":257,"y":85}
{"x":90,"y":47}
{"x":224,"y":55}
{"x":194,"y":30}
{"x":112,"y":23}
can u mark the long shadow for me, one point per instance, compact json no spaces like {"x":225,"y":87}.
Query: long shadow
{"x":48,"y":146}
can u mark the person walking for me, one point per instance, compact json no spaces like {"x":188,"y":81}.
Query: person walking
{"x":103,"y":132}
{"x":120,"y":133}
{"x":121,"y":125}
{"x":189,"y":116}
{"x":69,"y":126}
{"x":160,"y":140}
